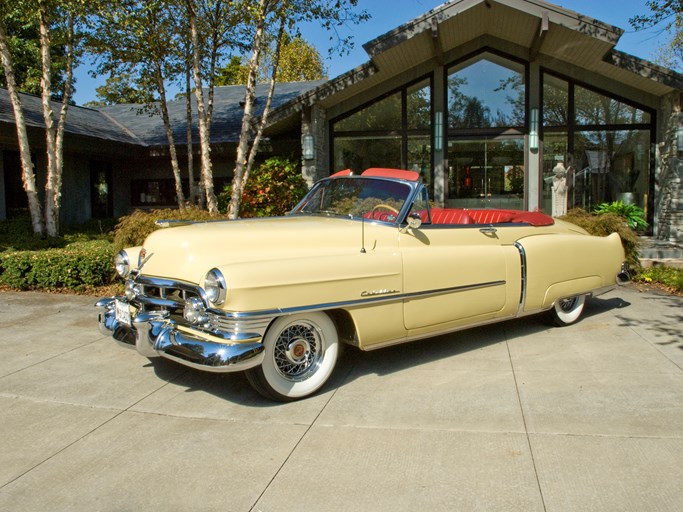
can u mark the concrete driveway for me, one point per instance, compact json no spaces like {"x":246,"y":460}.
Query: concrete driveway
{"x":517,"y":416}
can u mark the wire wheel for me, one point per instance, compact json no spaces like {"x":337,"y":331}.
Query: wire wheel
{"x":300,"y":354}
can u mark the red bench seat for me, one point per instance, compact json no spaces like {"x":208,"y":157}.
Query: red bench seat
{"x":467,"y":216}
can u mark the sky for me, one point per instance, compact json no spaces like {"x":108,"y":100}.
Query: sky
{"x":389,"y":14}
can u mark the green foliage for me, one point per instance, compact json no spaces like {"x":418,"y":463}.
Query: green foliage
{"x":606,"y":224}
{"x":132,"y":229}
{"x":78,"y":266}
{"x":298,"y":61}
{"x":273,"y":188}
{"x":634,"y":215}
{"x":17,"y":234}
{"x":671,"y":278}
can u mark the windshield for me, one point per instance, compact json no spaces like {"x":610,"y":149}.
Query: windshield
{"x":356,"y":197}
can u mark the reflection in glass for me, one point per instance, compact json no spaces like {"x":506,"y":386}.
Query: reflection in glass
{"x":394,"y":131}
{"x":486,"y":173}
{"x":593,"y":108}
{"x":484,"y":92}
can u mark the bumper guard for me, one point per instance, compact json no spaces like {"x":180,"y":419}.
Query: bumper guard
{"x":154,"y":334}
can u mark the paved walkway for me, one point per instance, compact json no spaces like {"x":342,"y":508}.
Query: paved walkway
{"x":512,"y":417}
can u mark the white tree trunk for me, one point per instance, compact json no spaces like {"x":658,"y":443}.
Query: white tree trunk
{"x":243,"y":145}
{"x":169,"y":135}
{"x":203,"y":120}
{"x":266,"y":109}
{"x":28,"y":176}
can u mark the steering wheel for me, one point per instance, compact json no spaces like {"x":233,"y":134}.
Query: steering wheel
{"x":384,"y":206}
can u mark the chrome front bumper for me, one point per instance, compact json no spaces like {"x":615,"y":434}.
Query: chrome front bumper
{"x":154,"y":334}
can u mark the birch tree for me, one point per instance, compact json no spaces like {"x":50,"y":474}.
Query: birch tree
{"x":142,"y":38}
{"x":28,"y":175}
{"x":265,"y":16}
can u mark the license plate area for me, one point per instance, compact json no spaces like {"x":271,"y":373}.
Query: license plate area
{"x":122,"y":310}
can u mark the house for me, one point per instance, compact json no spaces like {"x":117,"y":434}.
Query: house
{"x":495,"y":102}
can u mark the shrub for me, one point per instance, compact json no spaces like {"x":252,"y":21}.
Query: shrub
{"x":273,"y":188}
{"x":671,"y":278}
{"x":605,"y":224}
{"x":78,"y":266}
{"x":634,"y":215}
{"x":132,"y":229}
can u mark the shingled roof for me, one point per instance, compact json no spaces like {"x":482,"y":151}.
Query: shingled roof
{"x":133,"y":125}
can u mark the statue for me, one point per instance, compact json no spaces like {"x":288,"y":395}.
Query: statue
{"x":559,"y":190}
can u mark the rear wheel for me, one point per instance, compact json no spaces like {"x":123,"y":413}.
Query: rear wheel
{"x":567,"y":311}
{"x":300,"y":354}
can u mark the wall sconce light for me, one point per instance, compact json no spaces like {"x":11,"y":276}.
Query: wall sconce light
{"x":679,"y":139}
{"x":438,"y":131}
{"x":308,"y":147}
{"x":533,"y":129}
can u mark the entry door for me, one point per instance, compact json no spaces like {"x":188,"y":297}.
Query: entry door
{"x":486,"y":173}
{"x":101,"y":190}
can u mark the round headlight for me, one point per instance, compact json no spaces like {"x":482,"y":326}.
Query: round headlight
{"x":215,"y":287}
{"x":122,"y":264}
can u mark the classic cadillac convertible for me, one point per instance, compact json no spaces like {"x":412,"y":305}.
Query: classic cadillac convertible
{"x":361,"y":260}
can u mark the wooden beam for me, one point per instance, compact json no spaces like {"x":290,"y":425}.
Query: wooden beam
{"x":539,"y":37}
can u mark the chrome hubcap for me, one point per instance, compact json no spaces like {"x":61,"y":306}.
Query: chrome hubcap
{"x":298,"y":351}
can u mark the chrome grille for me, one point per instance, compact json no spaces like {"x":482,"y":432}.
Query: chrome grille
{"x":164,"y":294}
{"x":238,"y":325}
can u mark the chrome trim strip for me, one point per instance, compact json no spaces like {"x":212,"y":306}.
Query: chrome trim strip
{"x":271,"y":313}
{"x":522,"y":258}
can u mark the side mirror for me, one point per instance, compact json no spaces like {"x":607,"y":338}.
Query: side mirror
{"x":414,"y":222}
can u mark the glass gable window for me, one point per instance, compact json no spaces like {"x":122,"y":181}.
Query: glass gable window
{"x":393,"y":131}
{"x":487,"y":91}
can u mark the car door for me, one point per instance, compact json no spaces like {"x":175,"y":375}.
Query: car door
{"x":457,"y":275}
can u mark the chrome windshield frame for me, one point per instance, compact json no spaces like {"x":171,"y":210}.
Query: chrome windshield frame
{"x":413,"y":186}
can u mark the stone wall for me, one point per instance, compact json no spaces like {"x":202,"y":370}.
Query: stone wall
{"x":668,"y":202}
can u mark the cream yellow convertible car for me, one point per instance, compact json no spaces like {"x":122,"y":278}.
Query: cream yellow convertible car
{"x":362,"y":260}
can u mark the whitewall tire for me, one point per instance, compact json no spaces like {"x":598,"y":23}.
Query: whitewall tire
{"x":300,"y":354}
{"x":567,"y":311}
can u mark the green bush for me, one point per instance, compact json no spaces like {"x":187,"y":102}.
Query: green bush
{"x":132,"y":229}
{"x":273,"y":189}
{"x":78,"y":266}
{"x":606,"y":224}
{"x":671,"y":278}
{"x":634,"y":215}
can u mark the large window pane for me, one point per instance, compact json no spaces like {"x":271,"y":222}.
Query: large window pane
{"x":360,"y":153}
{"x":593,"y":108}
{"x":555,"y":101}
{"x":419,"y":106}
{"x":383,"y":115}
{"x":610,"y":166}
{"x":486,"y":92}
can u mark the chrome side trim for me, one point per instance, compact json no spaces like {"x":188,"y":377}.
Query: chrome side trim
{"x":272,"y":313}
{"x":523,"y":264}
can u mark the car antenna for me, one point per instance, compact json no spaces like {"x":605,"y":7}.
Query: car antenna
{"x":362,"y":234}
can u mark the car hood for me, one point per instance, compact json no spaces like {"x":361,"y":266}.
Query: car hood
{"x":188,"y":252}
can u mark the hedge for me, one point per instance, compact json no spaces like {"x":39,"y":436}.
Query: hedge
{"x":78,"y":266}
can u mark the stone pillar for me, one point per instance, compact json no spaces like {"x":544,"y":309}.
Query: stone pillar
{"x":668,"y":200}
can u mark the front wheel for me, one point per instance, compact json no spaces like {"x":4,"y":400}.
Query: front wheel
{"x":567,"y":311}
{"x":300,"y":354}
